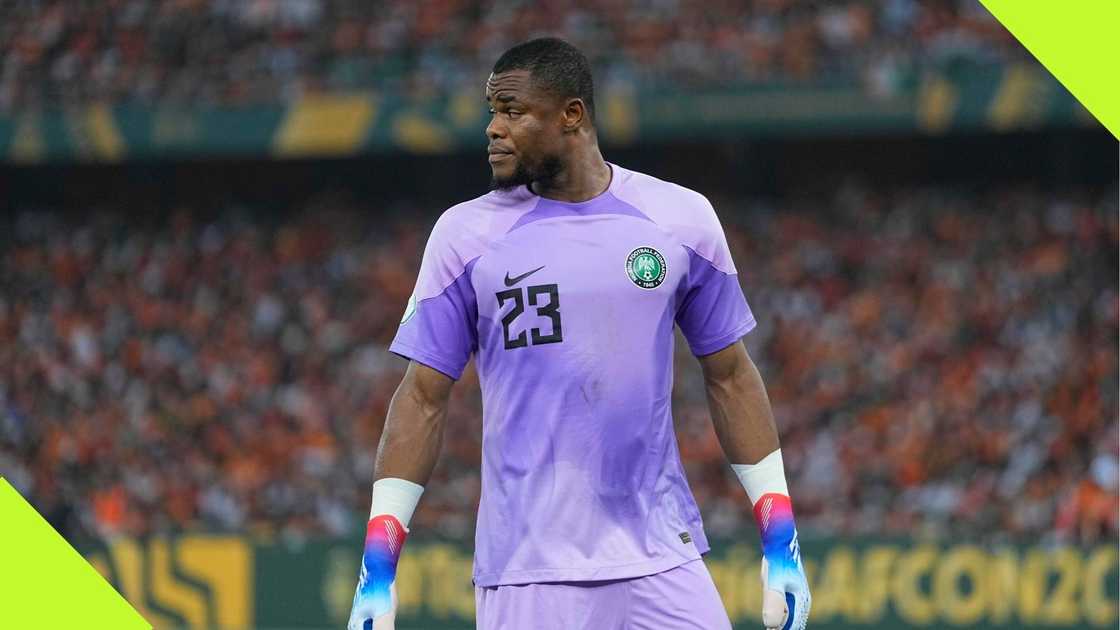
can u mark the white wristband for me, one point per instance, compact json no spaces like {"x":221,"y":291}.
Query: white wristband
{"x":765,"y":477}
{"x":396,"y":497}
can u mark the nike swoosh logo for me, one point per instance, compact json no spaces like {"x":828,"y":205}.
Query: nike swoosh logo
{"x":512,"y":281}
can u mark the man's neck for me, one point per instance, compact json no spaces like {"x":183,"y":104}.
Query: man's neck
{"x":586,"y":176}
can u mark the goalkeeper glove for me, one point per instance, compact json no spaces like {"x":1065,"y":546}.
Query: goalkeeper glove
{"x":785,"y":591}
{"x":375,"y":600}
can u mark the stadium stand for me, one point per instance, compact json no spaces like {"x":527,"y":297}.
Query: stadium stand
{"x":939,"y":362}
{"x":239,"y":52}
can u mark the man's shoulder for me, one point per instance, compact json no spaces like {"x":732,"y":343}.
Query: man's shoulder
{"x":485,"y":216}
{"x":466,"y":230}
{"x":683,"y":211}
{"x":663,"y":201}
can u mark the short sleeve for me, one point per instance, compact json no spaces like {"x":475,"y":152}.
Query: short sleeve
{"x":439,"y":327}
{"x":712,"y":311}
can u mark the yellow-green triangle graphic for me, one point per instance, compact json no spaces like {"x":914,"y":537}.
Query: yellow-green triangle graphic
{"x":1077,"y":42}
{"x":45,"y":583}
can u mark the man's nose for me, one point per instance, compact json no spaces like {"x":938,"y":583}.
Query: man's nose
{"x":495,"y":129}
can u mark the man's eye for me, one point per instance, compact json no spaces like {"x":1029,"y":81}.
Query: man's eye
{"x":492,"y":111}
{"x":513,"y":114}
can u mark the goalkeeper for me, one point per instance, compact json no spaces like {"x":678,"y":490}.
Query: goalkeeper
{"x":565,"y":283}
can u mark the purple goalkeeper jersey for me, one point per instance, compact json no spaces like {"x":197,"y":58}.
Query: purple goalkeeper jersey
{"x":569,"y":309}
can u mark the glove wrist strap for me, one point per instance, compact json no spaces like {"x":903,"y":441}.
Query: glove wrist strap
{"x":396,"y":497}
{"x":766,"y":477}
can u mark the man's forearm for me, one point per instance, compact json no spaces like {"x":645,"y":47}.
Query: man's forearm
{"x":410,"y":444}
{"x":745,"y":427}
{"x":409,"y":447}
{"x":413,"y":433}
{"x":740,"y":407}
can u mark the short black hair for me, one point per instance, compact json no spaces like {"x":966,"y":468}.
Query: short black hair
{"x":556,"y":66}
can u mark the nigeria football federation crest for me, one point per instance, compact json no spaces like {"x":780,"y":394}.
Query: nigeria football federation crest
{"x":646,"y":267}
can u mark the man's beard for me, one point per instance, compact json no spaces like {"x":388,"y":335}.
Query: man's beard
{"x":542,"y":172}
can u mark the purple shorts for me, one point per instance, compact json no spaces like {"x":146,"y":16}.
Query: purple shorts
{"x":683,"y":598}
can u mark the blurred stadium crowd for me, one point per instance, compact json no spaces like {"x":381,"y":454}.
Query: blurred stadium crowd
{"x":63,"y":52}
{"x":938,"y":362}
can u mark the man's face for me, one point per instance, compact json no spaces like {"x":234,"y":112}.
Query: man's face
{"x":524,"y":131}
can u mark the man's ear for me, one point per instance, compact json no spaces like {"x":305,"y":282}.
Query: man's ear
{"x":573,"y":115}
